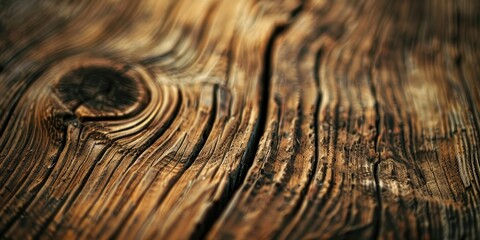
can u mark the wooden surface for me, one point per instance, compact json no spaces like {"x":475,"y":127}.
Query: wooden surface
{"x":240,"y":119}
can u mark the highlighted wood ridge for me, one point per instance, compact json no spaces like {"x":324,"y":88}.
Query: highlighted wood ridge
{"x":242,"y":119}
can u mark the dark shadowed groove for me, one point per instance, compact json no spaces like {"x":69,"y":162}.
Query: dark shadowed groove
{"x":196,"y":151}
{"x":157,"y":134}
{"x":22,"y":209}
{"x":325,"y":199}
{"x":378,"y":210}
{"x":10,"y":168}
{"x":83,"y":183}
{"x":304,"y":192}
{"x":148,"y":144}
{"x":230,"y":58}
{"x":237,"y":179}
{"x":85,"y":216}
{"x":198,"y":147}
{"x":112,"y":142}
{"x":377,"y":224}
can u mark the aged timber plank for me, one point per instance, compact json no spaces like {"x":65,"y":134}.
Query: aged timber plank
{"x":396,"y":127}
{"x":239,"y":119}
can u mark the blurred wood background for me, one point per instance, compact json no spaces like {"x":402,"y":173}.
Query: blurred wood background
{"x":239,"y":119}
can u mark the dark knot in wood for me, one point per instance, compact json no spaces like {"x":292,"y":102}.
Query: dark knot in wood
{"x":99,"y":89}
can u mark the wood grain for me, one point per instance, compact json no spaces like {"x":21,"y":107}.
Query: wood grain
{"x":239,"y":119}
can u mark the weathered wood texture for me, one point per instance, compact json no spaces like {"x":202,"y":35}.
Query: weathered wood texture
{"x":247,"y":119}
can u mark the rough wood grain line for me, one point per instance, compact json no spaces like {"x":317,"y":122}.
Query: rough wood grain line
{"x":240,"y":119}
{"x":383,"y":169}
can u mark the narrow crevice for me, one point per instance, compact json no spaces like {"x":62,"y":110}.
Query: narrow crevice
{"x":199,"y":146}
{"x":375,"y":55}
{"x":260,"y":125}
{"x":75,"y":195}
{"x":377,"y":221}
{"x":377,"y":225}
{"x":195,"y":152}
{"x":148,"y":144}
{"x":316,"y":127}
{"x":206,"y":132}
{"x":158,"y":134}
{"x":22,"y":210}
{"x":102,"y":191}
{"x":238,"y":178}
{"x":312,"y":174}
{"x":141,"y":150}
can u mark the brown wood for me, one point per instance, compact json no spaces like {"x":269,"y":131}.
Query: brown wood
{"x":240,"y":119}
